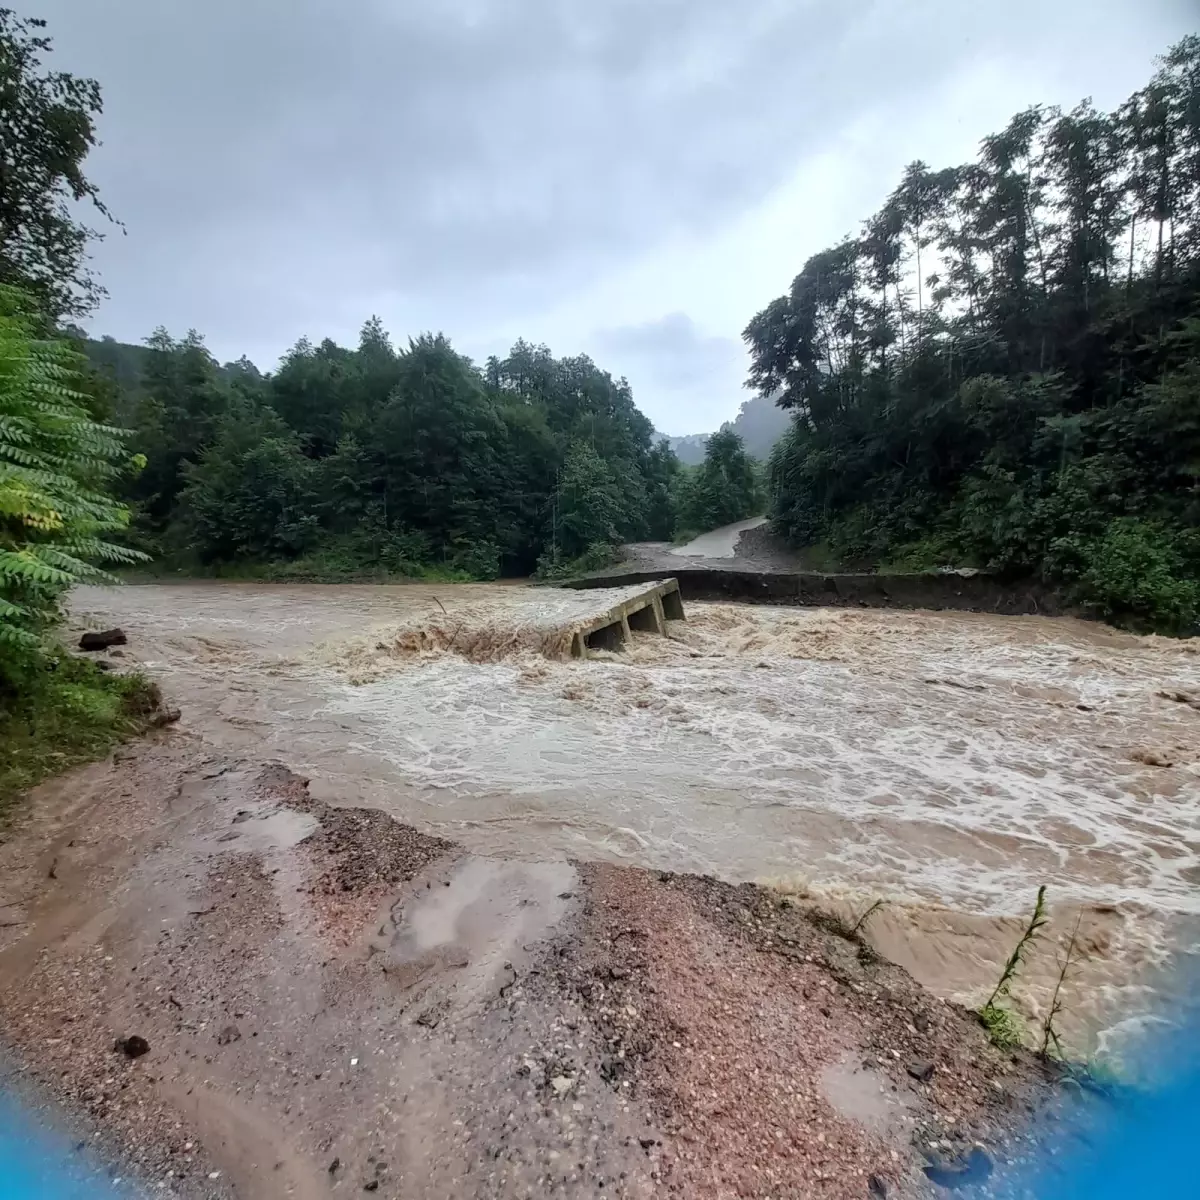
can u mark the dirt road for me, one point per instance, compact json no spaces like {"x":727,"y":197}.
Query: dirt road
{"x":333,"y":1003}
{"x":718,"y":543}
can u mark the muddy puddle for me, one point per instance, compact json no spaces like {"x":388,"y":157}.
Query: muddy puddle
{"x":948,"y":762}
{"x":476,"y":918}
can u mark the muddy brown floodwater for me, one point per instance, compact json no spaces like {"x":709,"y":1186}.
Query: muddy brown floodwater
{"x":947,"y":762}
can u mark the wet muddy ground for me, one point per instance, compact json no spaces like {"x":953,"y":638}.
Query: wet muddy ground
{"x":241,"y":991}
{"x":948,"y":763}
{"x":494,"y":936}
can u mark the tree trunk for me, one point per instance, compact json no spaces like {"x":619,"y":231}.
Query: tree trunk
{"x":1129,"y":275}
{"x":920,"y":290}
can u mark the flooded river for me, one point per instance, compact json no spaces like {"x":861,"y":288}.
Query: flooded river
{"x":951,"y":762}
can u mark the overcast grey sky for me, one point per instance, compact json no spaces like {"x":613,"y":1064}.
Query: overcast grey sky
{"x":629,"y":178}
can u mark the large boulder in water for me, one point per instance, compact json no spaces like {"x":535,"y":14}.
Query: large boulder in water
{"x":103,"y":639}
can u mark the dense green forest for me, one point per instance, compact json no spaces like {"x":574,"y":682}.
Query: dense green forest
{"x":1003,"y":368}
{"x":373,"y":460}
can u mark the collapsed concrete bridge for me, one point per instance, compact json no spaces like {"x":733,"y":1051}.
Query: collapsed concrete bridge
{"x":645,"y":610}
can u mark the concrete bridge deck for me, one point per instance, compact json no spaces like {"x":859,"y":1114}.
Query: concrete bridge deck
{"x":648,"y":611}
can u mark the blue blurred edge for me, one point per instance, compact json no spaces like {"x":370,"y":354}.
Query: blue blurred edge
{"x":40,"y":1163}
{"x":1144,"y":1145}
{"x":1131,"y":1143}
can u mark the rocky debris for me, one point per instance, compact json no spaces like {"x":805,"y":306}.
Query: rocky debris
{"x":133,"y":1046}
{"x":722,"y":1007}
{"x":102,"y":639}
{"x":668,"y":1041}
{"x":358,"y":856}
{"x":433,"y":1016}
{"x":363,"y":849}
{"x":973,"y":1169}
{"x":1153,"y":758}
{"x":376,"y":1173}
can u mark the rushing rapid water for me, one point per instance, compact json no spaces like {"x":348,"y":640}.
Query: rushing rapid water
{"x":952,"y":759}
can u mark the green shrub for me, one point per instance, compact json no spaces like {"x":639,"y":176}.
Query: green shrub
{"x":64,"y":711}
{"x":55,"y":465}
{"x":595,"y":558}
{"x":477,"y":560}
{"x":1004,"y":1027}
{"x":1137,"y":572}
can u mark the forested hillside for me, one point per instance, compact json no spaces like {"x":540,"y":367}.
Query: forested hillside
{"x":688,"y":447}
{"x":376,"y":459}
{"x":1003,"y":368}
{"x":760,"y":424}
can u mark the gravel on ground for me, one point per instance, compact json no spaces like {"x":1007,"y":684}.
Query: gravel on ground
{"x":236,"y":990}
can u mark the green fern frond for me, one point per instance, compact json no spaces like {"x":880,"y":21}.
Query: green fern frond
{"x":26,"y":565}
{"x":16,"y":637}
{"x":54,"y":463}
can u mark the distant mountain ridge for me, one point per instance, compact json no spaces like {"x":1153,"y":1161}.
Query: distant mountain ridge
{"x":689,"y":448}
{"x":760,"y":423}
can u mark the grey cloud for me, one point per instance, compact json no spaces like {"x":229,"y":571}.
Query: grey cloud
{"x":287,"y":166}
{"x":688,"y":381}
{"x":331,"y":147}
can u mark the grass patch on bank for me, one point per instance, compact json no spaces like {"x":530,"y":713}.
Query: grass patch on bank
{"x":314,"y":569}
{"x":361,"y":557}
{"x":1004,"y":1027}
{"x":596,"y":557}
{"x":67,"y":711}
{"x":321,"y":569}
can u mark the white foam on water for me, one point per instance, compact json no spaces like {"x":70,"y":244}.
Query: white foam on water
{"x":949,"y":758}
{"x":944,"y":791}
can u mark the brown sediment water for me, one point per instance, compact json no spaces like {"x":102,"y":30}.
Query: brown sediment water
{"x":950,"y":762}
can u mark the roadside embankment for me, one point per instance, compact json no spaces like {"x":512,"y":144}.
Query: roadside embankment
{"x":926,"y":590}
